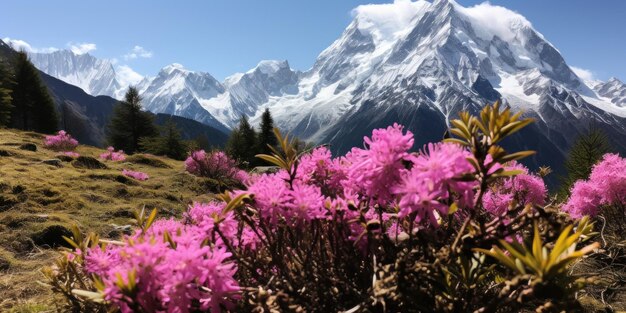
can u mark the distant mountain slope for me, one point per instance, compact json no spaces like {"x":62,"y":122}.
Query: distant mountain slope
{"x":86,"y":117}
{"x":191,"y":130}
{"x":95,"y":76}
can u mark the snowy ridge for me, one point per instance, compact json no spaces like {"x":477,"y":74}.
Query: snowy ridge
{"x":414,"y":62}
{"x":94,"y":76}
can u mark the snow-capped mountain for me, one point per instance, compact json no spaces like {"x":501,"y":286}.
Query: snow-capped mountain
{"x":420,"y":63}
{"x":198,"y":95}
{"x":93,"y":75}
{"x":178,"y":91}
{"x":614,"y":90}
{"x":417,"y":63}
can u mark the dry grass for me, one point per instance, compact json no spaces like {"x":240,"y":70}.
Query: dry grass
{"x":607,"y":265}
{"x":38,"y":203}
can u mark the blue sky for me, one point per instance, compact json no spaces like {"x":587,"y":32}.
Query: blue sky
{"x":227,"y":36}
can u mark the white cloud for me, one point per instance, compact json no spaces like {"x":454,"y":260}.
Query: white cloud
{"x":584,"y":74}
{"x":385,"y":21}
{"x":82,"y":48}
{"x":126,"y":76}
{"x":138,"y":52}
{"x":18,"y":44}
{"x":491,"y":20}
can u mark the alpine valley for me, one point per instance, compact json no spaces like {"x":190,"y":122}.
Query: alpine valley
{"x":413,"y":63}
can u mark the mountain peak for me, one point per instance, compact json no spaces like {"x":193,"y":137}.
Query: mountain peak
{"x":173,"y":67}
{"x":614,"y":80}
{"x":271,"y":66}
{"x":385,"y":22}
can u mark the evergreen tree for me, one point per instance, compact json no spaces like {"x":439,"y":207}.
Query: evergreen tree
{"x":266,"y":133}
{"x":169,"y":144}
{"x":33,"y":108}
{"x":242,"y":144}
{"x":584,"y":154}
{"x":5,"y":96}
{"x":202,"y":142}
{"x":129,"y":123}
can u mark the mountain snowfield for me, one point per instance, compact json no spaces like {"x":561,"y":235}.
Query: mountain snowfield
{"x":417,"y":63}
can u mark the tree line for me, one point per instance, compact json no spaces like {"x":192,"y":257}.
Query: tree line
{"x":24,"y":100}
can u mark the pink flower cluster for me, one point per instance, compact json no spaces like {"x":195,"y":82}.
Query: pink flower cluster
{"x":435,"y":176}
{"x":185,"y":274}
{"x":112,"y":155}
{"x":135,"y":174}
{"x":71,"y":154}
{"x":606,"y":186}
{"x":62,"y":141}
{"x":385,"y":175}
{"x":523,"y":189}
{"x":384,"y":182}
{"x":216,"y":165}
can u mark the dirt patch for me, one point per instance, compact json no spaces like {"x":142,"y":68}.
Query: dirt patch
{"x":88,"y":163}
{"x":29,"y":147}
{"x":52,"y":236}
{"x":113,"y":177}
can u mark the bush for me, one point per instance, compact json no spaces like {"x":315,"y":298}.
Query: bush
{"x":112,"y":155}
{"x":135,"y":174}
{"x":214,"y":165}
{"x":380,"y":229}
{"x":62,"y":141}
{"x":606,"y":186}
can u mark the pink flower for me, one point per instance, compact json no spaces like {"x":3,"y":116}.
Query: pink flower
{"x":586,"y":199}
{"x":305,"y":202}
{"x":62,"y":141}
{"x":271,"y":193}
{"x":523,"y":188}
{"x":111,"y":155}
{"x":187,"y":276}
{"x":434,"y":179}
{"x":319,"y":169}
{"x":136,"y":175}
{"x":606,"y":186}
{"x":71,"y":154}
{"x":215,"y":165}
{"x":374,"y":171}
{"x":610,"y":176}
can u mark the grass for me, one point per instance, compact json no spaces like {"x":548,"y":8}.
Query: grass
{"x":39,"y":202}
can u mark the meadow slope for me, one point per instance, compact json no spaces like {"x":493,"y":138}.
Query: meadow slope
{"x":41,"y":196}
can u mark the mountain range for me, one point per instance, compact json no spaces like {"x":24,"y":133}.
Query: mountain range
{"x":86,"y":116}
{"x":417,"y":63}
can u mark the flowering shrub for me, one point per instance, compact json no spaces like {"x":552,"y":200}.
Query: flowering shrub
{"x":216,"y":165}
{"x":522,"y":189}
{"x":445,"y":229}
{"x":135,"y":174}
{"x":62,"y":141}
{"x":606,"y":186}
{"x":112,"y":155}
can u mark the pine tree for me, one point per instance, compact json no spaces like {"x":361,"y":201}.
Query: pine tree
{"x":169,"y":144}
{"x":266,"y":134}
{"x":129,"y":123}
{"x":202,"y":142}
{"x":33,"y":108}
{"x":584,"y":154}
{"x":242,"y":144}
{"x":5,"y":96}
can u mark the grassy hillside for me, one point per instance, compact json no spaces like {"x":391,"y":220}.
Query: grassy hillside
{"x":39,"y":202}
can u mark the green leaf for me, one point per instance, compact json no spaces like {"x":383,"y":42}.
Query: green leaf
{"x":517,"y":156}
